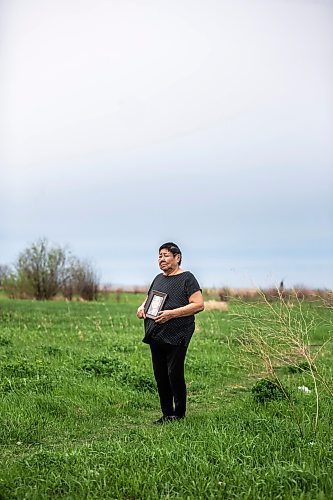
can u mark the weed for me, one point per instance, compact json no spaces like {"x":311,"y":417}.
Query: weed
{"x":52,"y":350}
{"x":23,"y":368}
{"x":139,"y":382}
{"x":300,"y":367}
{"x":4,"y":342}
{"x":104,"y":366}
{"x":266,"y":390}
{"x":281,"y":336}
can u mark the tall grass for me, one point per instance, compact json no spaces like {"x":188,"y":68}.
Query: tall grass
{"x":279,"y":336}
{"x":78,"y":398}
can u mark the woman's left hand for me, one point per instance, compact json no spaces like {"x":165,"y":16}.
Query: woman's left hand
{"x":164,"y":316}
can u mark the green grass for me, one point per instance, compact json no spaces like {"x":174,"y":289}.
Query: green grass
{"x":78,"y":398}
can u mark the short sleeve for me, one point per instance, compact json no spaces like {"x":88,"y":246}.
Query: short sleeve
{"x":191,"y":285}
{"x":151,"y":286}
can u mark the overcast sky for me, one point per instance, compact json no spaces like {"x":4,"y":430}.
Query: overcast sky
{"x":125,"y":124}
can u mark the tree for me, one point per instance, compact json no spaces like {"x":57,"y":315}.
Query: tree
{"x":82,"y":281}
{"x":43,"y":271}
{"x":5,"y":272}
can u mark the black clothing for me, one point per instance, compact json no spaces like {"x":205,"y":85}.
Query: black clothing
{"x":179,"y":288}
{"x":168,"y":363}
{"x":169,"y":341}
{"x":166,"y":419}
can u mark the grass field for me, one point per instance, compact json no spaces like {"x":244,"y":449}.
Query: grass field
{"x":78,"y":399}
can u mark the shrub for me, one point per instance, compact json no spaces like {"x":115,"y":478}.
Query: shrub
{"x":139,"y":382}
{"x":40,"y":272}
{"x":4,"y":342}
{"x":301,"y":367}
{"x":265,"y":390}
{"x":5,"y":271}
{"x":43,"y":271}
{"x":82,"y":281}
{"x":225,"y":294}
{"x":104,"y":366}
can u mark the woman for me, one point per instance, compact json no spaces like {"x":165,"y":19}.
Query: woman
{"x":170,"y":333}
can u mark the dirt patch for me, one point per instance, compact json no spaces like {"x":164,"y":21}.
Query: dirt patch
{"x":216,"y":305}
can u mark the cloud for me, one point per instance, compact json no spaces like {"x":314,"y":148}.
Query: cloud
{"x":127,"y":124}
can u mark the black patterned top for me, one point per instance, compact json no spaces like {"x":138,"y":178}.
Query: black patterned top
{"x":179,"y":288}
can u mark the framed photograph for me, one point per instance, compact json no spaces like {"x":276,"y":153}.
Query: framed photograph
{"x":154,"y":304}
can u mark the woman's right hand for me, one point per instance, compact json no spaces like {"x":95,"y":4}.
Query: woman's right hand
{"x":141,"y":312}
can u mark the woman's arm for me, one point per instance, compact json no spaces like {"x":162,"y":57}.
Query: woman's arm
{"x":196,"y":304}
{"x":141,"y":310}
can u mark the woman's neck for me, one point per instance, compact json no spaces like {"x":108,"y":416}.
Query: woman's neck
{"x":178,"y":270}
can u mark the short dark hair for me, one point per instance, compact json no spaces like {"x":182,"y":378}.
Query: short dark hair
{"x":173,"y":248}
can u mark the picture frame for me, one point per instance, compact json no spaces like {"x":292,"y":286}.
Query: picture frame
{"x":154,"y":303}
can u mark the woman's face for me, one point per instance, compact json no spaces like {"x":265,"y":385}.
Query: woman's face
{"x":167,"y":261}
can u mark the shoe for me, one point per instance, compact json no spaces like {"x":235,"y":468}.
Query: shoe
{"x":178,"y":417}
{"x":167,"y":419}
{"x":164,"y":419}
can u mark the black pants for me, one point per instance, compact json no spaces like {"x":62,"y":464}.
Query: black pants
{"x":168,"y":364}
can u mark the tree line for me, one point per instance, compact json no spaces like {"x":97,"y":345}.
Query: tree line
{"x":43,"y":271}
